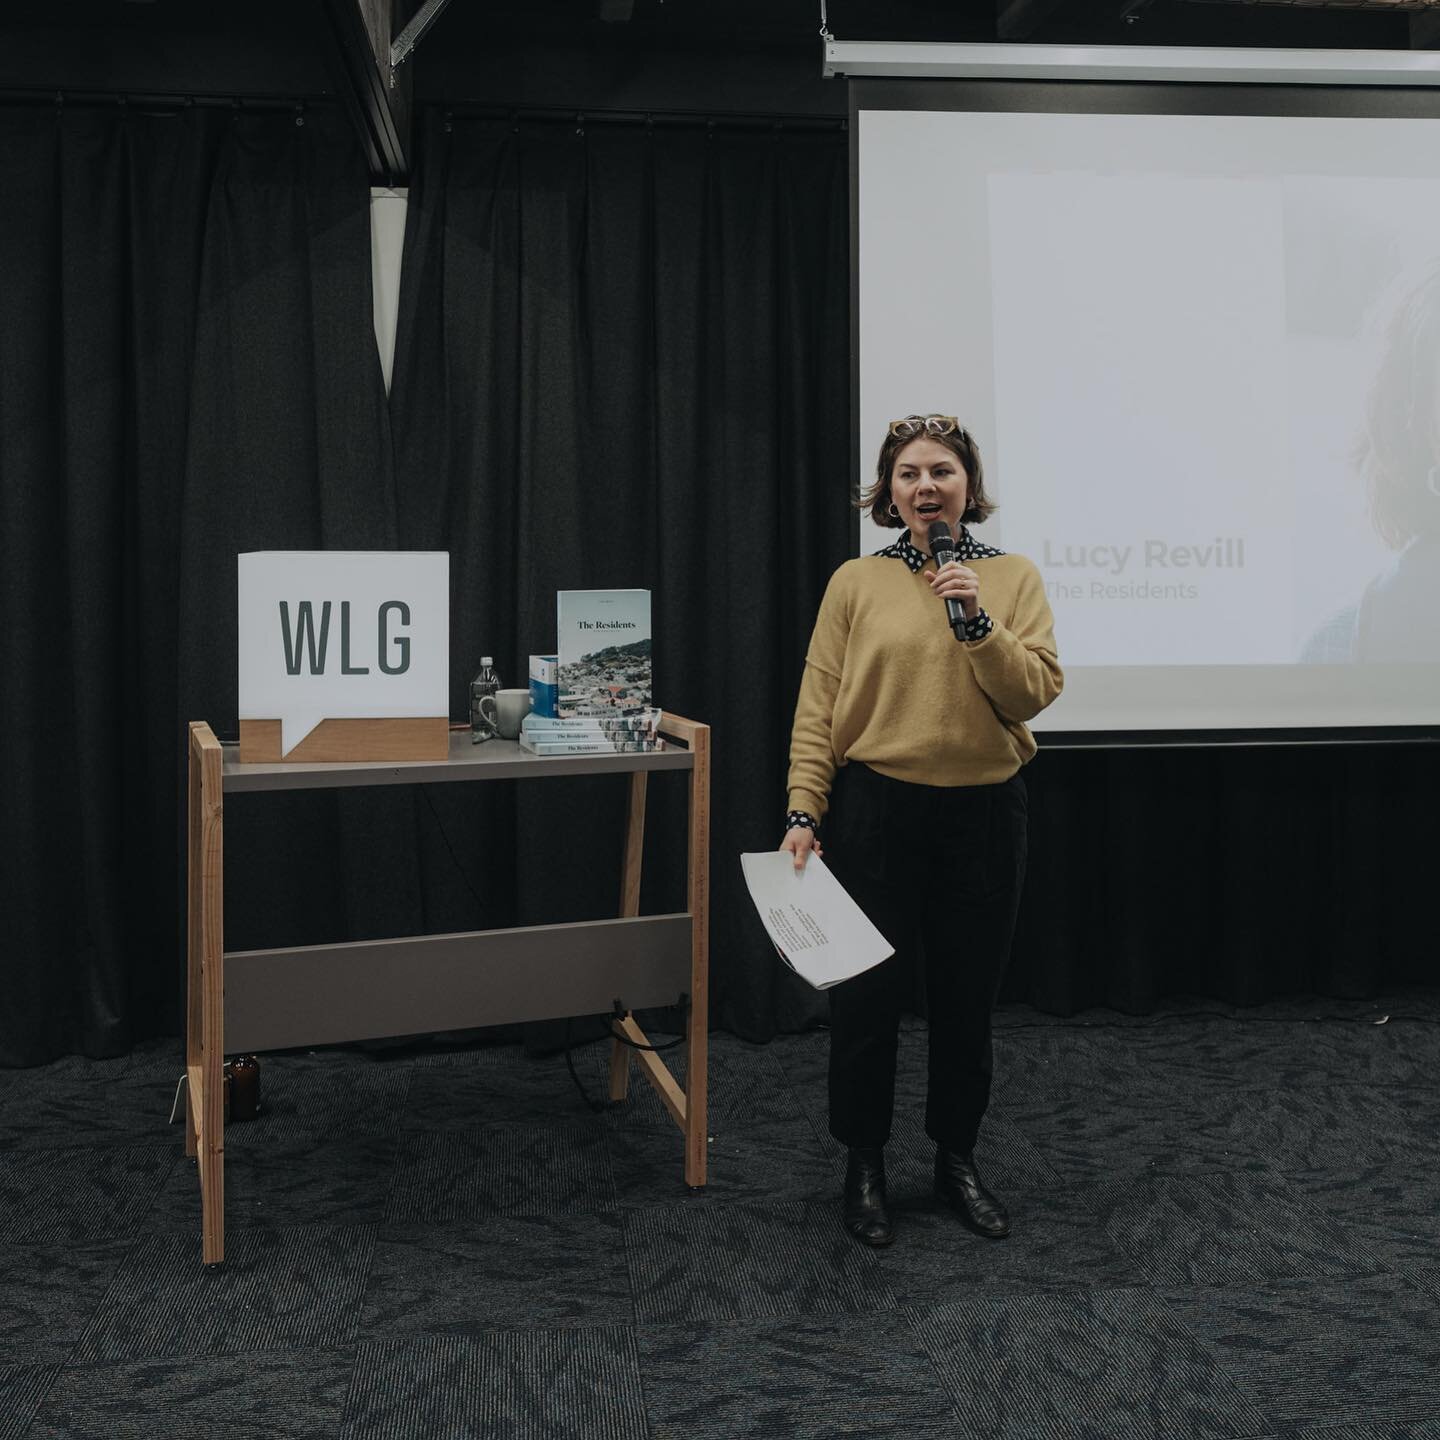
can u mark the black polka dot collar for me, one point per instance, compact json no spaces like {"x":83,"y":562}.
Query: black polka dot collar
{"x":966,"y":548}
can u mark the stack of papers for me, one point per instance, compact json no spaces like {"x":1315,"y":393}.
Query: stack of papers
{"x":820,"y":932}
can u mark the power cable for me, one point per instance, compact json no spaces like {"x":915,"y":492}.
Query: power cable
{"x":617,"y":1014}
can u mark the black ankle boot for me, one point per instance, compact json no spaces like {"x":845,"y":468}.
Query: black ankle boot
{"x":957,"y":1181}
{"x":867,"y":1215}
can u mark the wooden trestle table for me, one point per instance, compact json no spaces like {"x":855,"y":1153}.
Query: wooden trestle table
{"x":327,"y":994}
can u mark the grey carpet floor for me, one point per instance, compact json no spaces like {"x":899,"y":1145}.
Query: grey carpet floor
{"x":1226,"y":1224}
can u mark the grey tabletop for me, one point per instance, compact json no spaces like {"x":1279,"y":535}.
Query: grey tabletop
{"x":492,"y":760}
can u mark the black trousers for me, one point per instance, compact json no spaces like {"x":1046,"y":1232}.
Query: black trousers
{"x":941,"y":866}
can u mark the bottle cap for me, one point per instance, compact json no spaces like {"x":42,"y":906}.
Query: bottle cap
{"x":486,"y":660}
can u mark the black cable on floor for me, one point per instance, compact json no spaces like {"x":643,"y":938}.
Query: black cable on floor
{"x":596,"y":1106}
{"x":599,"y":1106}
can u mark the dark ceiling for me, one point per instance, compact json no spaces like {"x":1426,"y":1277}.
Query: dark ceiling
{"x":277,"y":47}
{"x":794,"y":24}
{"x":746,"y":57}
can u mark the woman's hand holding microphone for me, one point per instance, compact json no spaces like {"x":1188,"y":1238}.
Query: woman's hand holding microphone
{"x":955,"y":581}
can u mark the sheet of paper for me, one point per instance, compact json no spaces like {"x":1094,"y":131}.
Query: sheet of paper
{"x":820,"y":932}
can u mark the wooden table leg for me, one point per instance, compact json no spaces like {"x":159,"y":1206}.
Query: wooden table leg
{"x":697,"y":1069}
{"x":629,"y":906}
{"x":193,"y":1007}
{"x":205,"y":1029}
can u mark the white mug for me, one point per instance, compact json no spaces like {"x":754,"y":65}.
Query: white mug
{"x":505,"y":709}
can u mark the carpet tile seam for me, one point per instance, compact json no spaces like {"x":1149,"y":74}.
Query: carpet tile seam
{"x":580,"y":1123}
{"x":1144,"y":1295}
{"x":1292,"y":1287}
{"x":743,"y":1322}
{"x":1223,"y":1288}
{"x":790,"y":1078}
{"x":117,"y":1141}
{"x":632,"y":1342}
{"x":83,"y":1329}
{"x":631,"y":1284}
{"x":44,"y":1395}
{"x":348,"y":1324}
{"x":909,"y":1320}
{"x":178,"y":1234}
{"x":180,"y":1160}
{"x":1369,"y":1268}
{"x":766,"y":1317}
{"x":126,"y":1235}
{"x":1361,"y":1412}
{"x":1237,"y":1381}
{"x":395,"y":1231}
{"x":821,"y":1139}
{"x":1307,"y":1206}
{"x":187,"y":1356}
{"x":394,"y":1165}
{"x":242,"y":1429}
{"x":352,"y":1333}
{"x":482,"y":1332}
{"x":350,"y":1387}
{"x":459,"y":1330}
{"x":866,"y":1259}
{"x":132,"y":1230}
{"x":365,"y":1278}
{"x":162,"y":1357}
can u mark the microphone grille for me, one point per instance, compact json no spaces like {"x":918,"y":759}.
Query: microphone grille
{"x":941,"y":537}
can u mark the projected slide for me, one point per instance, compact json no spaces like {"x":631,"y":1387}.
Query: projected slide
{"x":1201,"y":356}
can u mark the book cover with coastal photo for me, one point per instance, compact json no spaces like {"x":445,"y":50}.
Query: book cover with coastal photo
{"x":604,"y":646}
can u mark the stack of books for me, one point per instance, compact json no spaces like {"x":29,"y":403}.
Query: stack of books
{"x":592,"y":735}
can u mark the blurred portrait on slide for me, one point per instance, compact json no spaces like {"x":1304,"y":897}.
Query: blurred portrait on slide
{"x":1396,"y":459}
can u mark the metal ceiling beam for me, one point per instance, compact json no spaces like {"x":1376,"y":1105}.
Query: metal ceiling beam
{"x":377,"y":101}
{"x":414,"y":32}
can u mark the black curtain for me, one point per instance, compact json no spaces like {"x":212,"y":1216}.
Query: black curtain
{"x":187,"y":370}
{"x":1236,"y":873}
{"x":623,"y":361}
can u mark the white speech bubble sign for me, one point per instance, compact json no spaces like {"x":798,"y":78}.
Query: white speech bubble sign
{"x":343,"y":634}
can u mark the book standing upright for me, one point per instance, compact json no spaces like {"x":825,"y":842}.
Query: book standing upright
{"x":604,"y":648}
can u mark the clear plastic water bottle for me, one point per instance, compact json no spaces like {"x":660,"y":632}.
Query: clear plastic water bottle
{"x":483,"y":687}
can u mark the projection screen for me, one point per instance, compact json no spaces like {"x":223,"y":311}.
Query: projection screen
{"x":1195,"y":331}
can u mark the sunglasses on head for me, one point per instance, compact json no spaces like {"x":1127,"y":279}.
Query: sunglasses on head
{"x":926,"y":425}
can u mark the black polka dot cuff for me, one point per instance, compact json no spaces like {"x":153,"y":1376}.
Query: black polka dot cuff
{"x":979,"y":627}
{"x":797,"y":818}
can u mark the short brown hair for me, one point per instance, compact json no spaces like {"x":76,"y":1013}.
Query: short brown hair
{"x":876,"y":500}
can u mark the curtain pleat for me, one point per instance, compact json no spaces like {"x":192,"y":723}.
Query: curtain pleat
{"x":187,"y":371}
{"x":623,"y":363}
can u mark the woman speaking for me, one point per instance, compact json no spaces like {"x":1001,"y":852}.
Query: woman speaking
{"x":907,"y":746}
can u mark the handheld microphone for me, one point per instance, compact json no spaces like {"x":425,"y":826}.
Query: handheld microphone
{"x":942,"y":547}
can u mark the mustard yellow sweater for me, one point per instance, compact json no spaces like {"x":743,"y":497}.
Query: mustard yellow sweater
{"x":887,"y":684}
